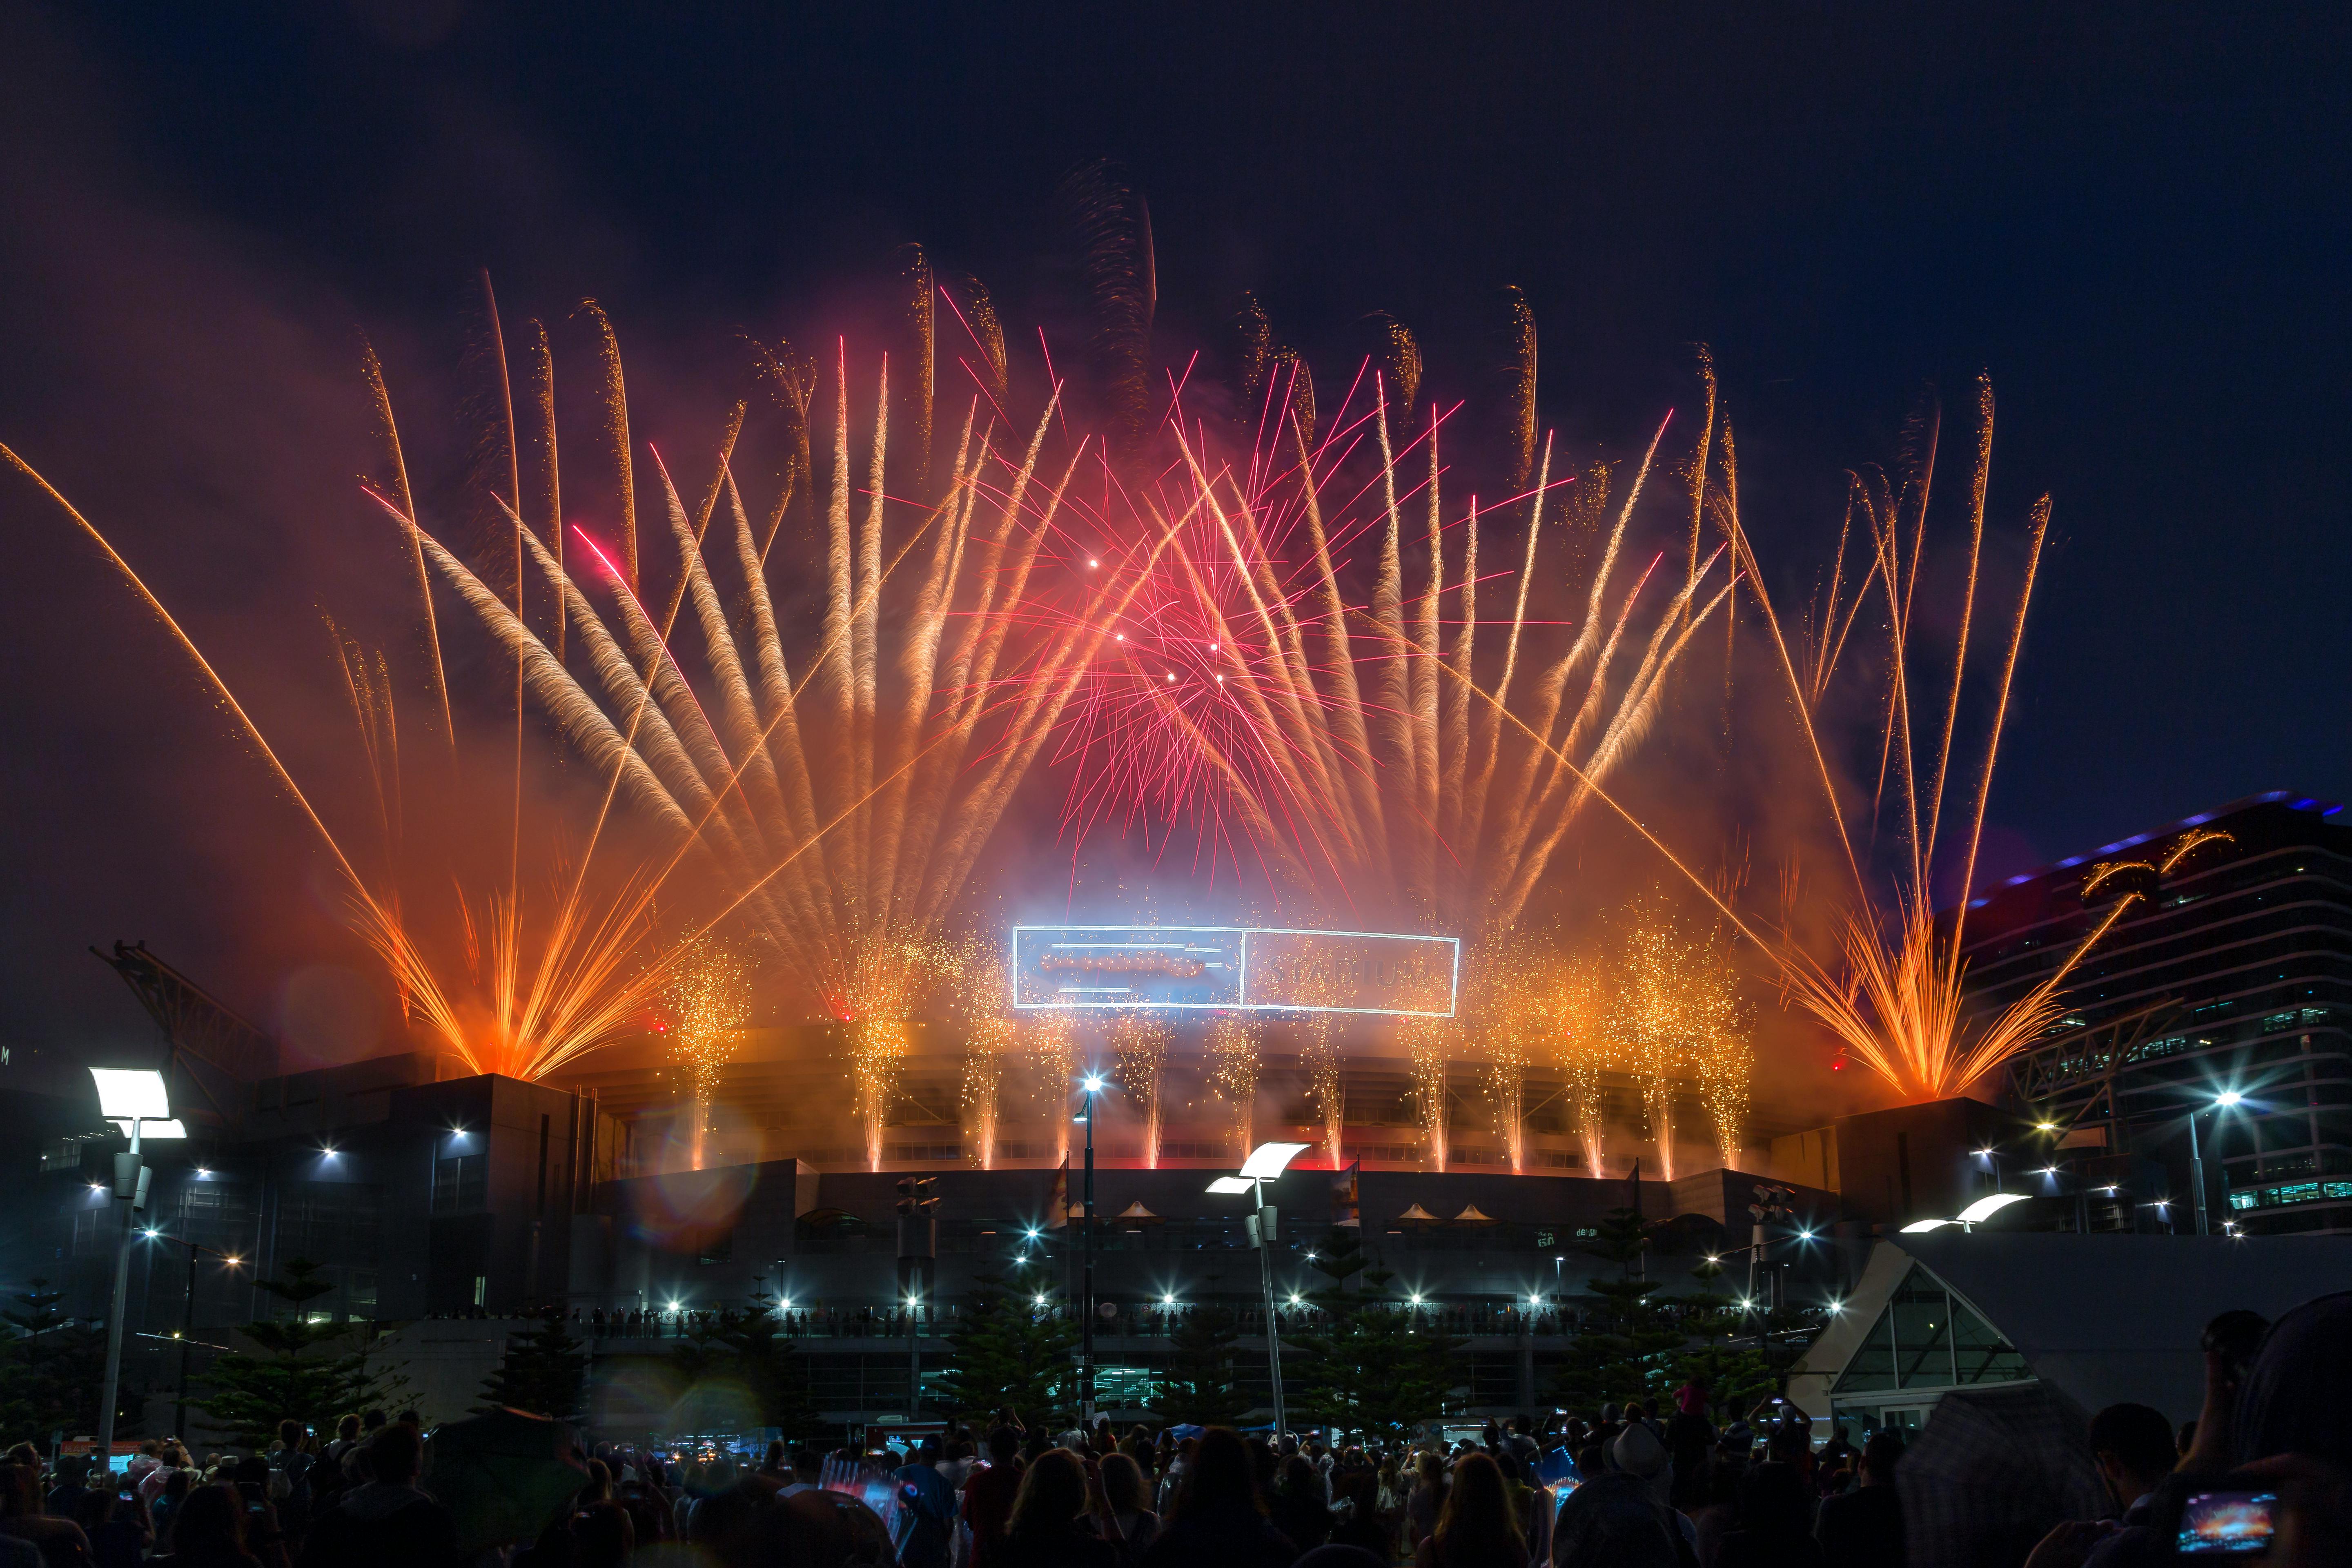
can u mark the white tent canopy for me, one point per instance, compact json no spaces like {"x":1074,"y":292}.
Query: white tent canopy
{"x":2103,"y":1319}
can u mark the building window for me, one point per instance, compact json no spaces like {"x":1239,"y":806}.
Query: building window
{"x":1924,"y":1339}
{"x":481,"y":1287}
{"x":460,"y":1184}
{"x":94,"y":1231}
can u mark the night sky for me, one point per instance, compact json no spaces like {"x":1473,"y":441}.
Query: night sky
{"x":2133,"y":217}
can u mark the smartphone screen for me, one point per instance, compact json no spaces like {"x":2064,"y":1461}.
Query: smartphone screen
{"x":2228,"y":1523}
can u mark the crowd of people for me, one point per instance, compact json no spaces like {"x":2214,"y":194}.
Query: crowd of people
{"x":294,"y":1503}
{"x":2268,"y":1457}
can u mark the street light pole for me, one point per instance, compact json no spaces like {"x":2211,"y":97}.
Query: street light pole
{"x":131,"y":1098}
{"x":1086,"y":1273}
{"x":121,"y":1298}
{"x":1259,"y":1227}
{"x":2197,"y":1176}
{"x":187,"y":1332}
{"x":1267,"y":1161}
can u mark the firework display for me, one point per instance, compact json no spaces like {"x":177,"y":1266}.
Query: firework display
{"x":707,"y":1002}
{"x":1295,"y":634}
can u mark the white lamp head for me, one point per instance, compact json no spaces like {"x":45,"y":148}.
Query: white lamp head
{"x":1268,"y":1160}
{"x":1227,"y":1186}
{"x":131,"y":1092}
{"x":1986,"y":1207}
{"x":1919,"y":1226}
{"x":151,"y":1129}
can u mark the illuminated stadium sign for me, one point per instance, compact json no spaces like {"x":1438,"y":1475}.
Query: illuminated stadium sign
{"x":1213,"y":967}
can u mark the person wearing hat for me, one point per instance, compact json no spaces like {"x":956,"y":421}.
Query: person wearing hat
{"x":1619,"y":1519}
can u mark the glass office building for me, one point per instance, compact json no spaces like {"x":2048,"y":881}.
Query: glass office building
{"x":2227,"y":972}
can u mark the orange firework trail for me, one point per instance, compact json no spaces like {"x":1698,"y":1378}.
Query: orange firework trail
{"x":530,"y":997}
{"x":1897,"y":1003}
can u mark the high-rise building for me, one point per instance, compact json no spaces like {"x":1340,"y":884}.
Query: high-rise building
{"x":2215,"y":1013}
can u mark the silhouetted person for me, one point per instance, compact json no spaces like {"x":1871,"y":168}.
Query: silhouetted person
{"x":1219,"y":1517}
{"x":390,"y":1522}
{"x":1864,"y":1527}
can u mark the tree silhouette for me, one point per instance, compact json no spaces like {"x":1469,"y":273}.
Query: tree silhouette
{"x":1374,"y":1363}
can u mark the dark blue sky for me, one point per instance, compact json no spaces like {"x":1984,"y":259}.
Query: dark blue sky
{"x":2133,"y":215}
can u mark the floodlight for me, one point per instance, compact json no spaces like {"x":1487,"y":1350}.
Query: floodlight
{"x":1228,"y":1186}
{"x":137,"y":1093}
{"x":1984,"y":1208}
{"x":2228,"y":1097}
{"x":1267,"y":1160}
{"x":1919,"y":1225}
{"x":151,"y":1129}
{"x":1041,"y":1301}
{"x":1416,"y":1300}
{"x":1093,"y":1084}
{"x":1804,"y":1236}
{"x":2045,"y":1127}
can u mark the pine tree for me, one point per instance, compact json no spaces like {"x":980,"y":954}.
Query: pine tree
{"x":1374,"y":1365}
{"x":30,"y":1345}
{"x":741,"y":1370}
{"x":1735,"y":1377}
{"x":300,"y":1378}
{"x":1008,"y":1351}
{"x":1201,"y":1385}
{"x":51,"y":1369}
{"x":544,"y":1372}
{"x":1627,"y":1355}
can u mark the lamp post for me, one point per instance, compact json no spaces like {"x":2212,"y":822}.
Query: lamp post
{"x":131,"y":1099}
{"x":188,"y":1321}
{"x":1267,"y":1161}
{"x":1092,"y":1084}
{"x":2222,"y":1101}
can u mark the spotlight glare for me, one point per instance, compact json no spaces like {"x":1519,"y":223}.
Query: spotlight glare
{"x":2228,"y":1097}
{"x":1094,"y":1084}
